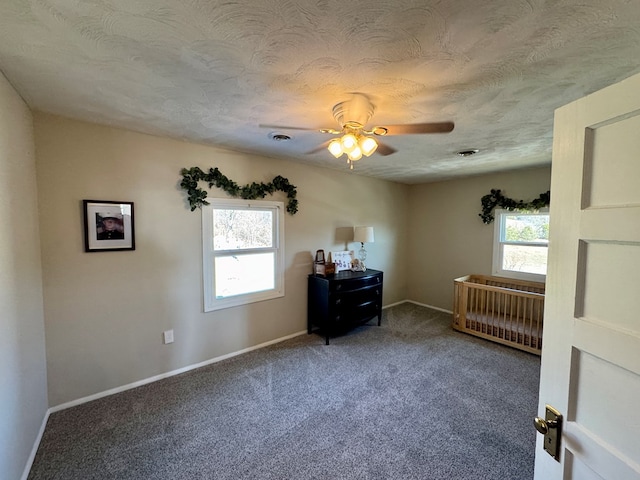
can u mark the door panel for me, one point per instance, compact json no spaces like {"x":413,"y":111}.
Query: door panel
{"x":579,"y":471}
{"x":600,"y":414}
{"x":613,"y":179}
{"x":611,"y":273}
{"x":591,"y":345}
{"x":602,"y":463}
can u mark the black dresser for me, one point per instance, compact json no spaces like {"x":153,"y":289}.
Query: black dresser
{"x":343,"y":301}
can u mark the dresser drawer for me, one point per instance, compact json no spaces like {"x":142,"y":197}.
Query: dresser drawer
{"x":355,"y":284}
{"x":356,"y":314}
{"x":353,"y":298}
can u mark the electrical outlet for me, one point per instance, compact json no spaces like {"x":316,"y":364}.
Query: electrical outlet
{"x":167,"y":336}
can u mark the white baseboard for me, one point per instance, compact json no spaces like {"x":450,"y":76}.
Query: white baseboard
{"x":417,"y":303}
{"x":394,"y":304}
{"x":430,"y":306}
{"x":139,"y":383}
{"x":36,"y":444}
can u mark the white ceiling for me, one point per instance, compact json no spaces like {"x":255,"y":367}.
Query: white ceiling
{"x":212,"y":71}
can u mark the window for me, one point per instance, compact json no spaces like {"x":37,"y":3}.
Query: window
{"x":521,"y":241}
{"x":243,"y":252}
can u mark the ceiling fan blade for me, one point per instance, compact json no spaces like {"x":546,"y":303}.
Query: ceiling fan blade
{"x":411,"y":128}
{"x":282,"y":127}
{"x":384,"y":149}
{"x":319,"y":148}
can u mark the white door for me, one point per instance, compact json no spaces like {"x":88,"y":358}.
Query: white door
{"x":591,"y":344}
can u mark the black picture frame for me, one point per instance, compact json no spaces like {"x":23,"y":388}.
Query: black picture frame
{"x":108,"y":226}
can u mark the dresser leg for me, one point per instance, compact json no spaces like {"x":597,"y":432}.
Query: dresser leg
{"x":327,"y":341}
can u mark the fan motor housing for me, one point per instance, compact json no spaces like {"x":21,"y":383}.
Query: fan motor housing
{"x":357,"y":110}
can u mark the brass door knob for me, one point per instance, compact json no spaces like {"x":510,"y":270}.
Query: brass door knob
{"x":543,"y":425}
{"x":551,"y":427}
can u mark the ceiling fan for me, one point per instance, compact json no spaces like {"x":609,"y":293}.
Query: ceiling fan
{"x":354,"y":139}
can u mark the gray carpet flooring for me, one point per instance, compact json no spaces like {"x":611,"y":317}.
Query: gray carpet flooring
{"x":411,"y":399}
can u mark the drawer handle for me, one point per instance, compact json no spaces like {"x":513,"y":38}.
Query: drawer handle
{"x":337,"y":317}
{"x":338,"y":301}
{"x":339,"y":286}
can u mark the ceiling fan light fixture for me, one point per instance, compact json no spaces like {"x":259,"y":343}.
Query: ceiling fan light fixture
{"x":354,"y":145}
{"x":348,"y":142}
{"x":355,"y":140}
{"x":355,"y":154}
{"x":368,"y":145}
{"x":335,"y":147}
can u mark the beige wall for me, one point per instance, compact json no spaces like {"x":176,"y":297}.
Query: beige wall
{"x":105,"y":311}
{"x":447,"y":238}
{"x":23,"y":391}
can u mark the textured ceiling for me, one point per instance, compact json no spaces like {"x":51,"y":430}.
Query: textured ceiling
{"x":212,"y":71}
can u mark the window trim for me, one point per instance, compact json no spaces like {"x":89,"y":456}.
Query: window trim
{"x":496,"y":267}
{"x":210,"y":302}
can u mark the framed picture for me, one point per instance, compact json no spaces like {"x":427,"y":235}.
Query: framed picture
{"x":108,"y":225}
{"x":342,"y":260}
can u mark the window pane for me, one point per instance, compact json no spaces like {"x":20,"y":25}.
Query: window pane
{"x":526,"y":228}
{"x":521,"y":258}
{"x":240,"y":274}
{"x":239,"y":229}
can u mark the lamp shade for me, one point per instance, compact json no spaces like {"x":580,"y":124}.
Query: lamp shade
{"x":355,"y":154}
{"x":368,"y":145}
{"x":349,"y":142}
{"x":335,"y":147}
{"x":363,"y":234}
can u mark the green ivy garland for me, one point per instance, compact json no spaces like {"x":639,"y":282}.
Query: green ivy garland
{"x":196,"y":195}
{"x":496,"y":199}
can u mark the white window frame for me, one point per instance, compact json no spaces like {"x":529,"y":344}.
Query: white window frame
{"x":211,"y":303}
{"x":498,"y":244}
